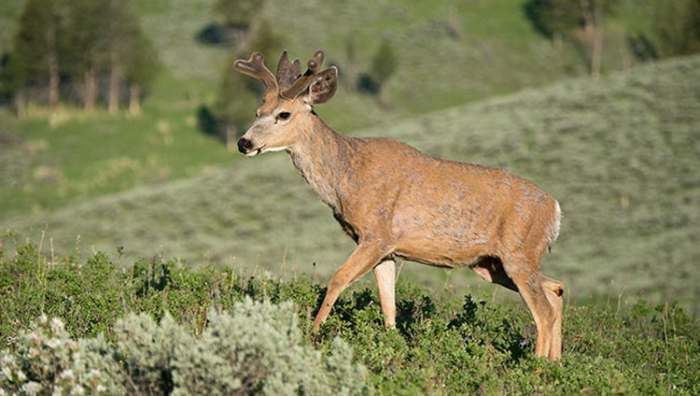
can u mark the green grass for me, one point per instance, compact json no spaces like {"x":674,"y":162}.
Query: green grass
{"x":443,"y":344}
{"x":621,"y":155}
{"x":71,"y":156}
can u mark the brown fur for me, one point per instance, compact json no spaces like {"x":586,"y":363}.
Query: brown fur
{"x":395,"y":201}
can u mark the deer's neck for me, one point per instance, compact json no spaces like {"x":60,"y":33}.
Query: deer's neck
{"x":322,"y":156}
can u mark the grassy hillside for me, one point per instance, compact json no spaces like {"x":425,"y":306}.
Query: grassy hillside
{"x":621,"y":155}
{"x":447,"y":54}
{"x":442,"y":344}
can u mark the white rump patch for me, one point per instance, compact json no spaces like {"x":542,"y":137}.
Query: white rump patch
{"x":554,"y":231}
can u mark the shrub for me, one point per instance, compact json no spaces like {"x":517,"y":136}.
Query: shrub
{"x":256,"y":348}
{"x":259,"y":348}
{"x":47,"y":360}
{"x":175,"y":342}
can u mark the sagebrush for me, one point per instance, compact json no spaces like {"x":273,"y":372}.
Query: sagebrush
{"x":257,"y":348}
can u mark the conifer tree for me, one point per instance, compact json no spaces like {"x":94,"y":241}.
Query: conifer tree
{"x":235,"y":105}
{"x":238,"y":13}
{"x":89,"y":43}
{"x":141,"y":68}
{"x":579,"y":19}
{"x":384,"y":64}
{"x":37,"y":47}
{"x":677,"y":27}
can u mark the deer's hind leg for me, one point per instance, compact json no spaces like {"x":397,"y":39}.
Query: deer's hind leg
{"x":554,"y":291}
{"x":543,"y":296}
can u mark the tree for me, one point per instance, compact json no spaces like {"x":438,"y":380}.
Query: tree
{"x":677,"y":27}
{"x":238,"y":13}
{"x":582,"y":20}
{"x":384,"y":63}
{"x":235,"y":105}
{"x":37,"y":46}
{"x":89,"y":42}
{"x":141,"y":68}
{"x":12,"y":79}
{"x":67,"y":43}
{"x":119,"y":31}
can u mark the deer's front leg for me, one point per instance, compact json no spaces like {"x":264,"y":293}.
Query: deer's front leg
{"x":385,"y":273}
{"x":363,"y":258}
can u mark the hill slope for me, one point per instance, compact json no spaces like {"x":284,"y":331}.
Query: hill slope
{"x":447,"y":53}
{"x":621,"y":155}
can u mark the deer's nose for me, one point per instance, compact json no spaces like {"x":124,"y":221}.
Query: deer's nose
{"x":244,"y":145}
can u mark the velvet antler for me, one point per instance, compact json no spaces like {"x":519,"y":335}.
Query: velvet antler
{"x":255,"y":67}
{"x":289,"y":82}
{"x":302,"y":83}
{"x":287,"y":72}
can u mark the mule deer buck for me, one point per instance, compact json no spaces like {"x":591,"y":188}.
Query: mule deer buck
{"x":396,"y":202}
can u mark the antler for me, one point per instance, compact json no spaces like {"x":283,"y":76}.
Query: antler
{"x":255,"y":67}
{"x":289,"y":83}
{"x":302,"y":83}
{"x":287,"y":72}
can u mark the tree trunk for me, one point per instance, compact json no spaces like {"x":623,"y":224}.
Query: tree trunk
{"x":52,"y":59}
{"x":90,"y":94}
{"x":593,"y":32}
{"x":597,"y":50}
{"x":20,"y":103}
{"x":135,"y":99}
{"x":114,"y":85}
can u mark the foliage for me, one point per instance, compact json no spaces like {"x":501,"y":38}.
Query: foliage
{"x":62,"y":40}
{"x":72,"y":157}
{"x":677,"y":26}
{"x":256,"y":348}
{"x":239,"y":94}
{"x":142,"y":64}
{"x":42,"y":25}
{"x":560,"y":17}
{"x":238,"y":13}
{"x":208,"y":330}
{"x":581,"y":21}
{"x":46,"y":360}
{"x":384,"y":64}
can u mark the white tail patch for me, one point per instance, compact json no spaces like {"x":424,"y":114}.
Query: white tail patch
{"x":554,"y":230}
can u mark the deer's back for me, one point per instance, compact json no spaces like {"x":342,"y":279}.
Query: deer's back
{"x":461,"y":211}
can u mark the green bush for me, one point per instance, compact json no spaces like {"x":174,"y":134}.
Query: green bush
{"x":257,"y":348}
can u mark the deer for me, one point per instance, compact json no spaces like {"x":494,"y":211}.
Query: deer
{"x":396,"y":202}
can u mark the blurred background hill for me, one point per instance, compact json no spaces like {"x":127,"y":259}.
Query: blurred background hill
{"x":581,"y":97}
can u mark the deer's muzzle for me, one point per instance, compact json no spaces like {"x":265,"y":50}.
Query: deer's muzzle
{"x":244,"y":145}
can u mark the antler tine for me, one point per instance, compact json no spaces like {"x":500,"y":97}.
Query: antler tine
{"x":255,"y":67}
{"x":287,"y":72}
{"x":315,"y":62}
{"x":302,"y":83}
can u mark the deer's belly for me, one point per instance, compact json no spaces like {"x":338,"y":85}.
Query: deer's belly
{"x":441,"y":251}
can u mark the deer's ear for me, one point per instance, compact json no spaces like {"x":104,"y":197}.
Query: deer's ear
{"x":323,"y":86}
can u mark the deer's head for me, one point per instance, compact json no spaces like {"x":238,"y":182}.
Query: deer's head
{"x":288,"y":100}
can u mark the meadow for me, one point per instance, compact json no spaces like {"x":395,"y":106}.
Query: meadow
{"x":486,"y":47}
{"x":134,"y":243}
{"x":442,"y":345}
{"x":618,"y":154}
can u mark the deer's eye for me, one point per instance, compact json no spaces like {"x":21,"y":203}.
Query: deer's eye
{"x":283,"y":115}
